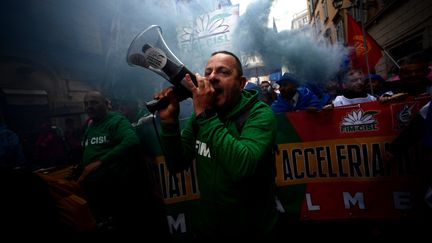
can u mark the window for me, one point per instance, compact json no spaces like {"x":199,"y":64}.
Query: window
{"x":313,"y":3}
{"x":327,"y":35}
{"x":325,"y":10}
{"x":318,"y":24}
{"x":340,"y":37}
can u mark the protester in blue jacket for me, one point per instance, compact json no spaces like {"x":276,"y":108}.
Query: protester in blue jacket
{"x":294,"y":96}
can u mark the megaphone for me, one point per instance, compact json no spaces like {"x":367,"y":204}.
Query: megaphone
{"x":149,"y":50}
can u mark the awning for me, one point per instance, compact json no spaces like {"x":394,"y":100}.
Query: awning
{"x":26,"y":96}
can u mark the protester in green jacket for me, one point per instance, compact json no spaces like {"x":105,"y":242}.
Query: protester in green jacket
{"x":114,"y":177}
{"x":231,"y":135}
{"x":107,"y":140}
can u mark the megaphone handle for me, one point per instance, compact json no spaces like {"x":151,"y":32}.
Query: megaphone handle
{"x":180,"y":92}
{"x":156,"y":105}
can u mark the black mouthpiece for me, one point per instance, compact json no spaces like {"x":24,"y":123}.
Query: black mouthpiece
{"x":180,"y":92}
{"x":155,"y":105}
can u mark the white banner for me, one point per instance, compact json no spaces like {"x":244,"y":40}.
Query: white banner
{"x":207,"y":33}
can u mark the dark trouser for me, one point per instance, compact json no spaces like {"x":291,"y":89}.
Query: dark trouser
{"x":127,"y":211}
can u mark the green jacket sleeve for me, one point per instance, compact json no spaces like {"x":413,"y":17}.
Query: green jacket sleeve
{"x":241,"y":156}
{"x":127,"y":139}
{"x":178,"y":148}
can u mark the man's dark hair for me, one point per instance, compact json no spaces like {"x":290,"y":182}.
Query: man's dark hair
{"x":289,"y":77}
{"x":238,"y":63}
{"x":418,"y":57}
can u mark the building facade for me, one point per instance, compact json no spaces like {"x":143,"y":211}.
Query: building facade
{"x":400,"y":27}
{"x":300,"y":20}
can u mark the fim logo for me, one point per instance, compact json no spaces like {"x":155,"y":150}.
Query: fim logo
{"x":359,"y":121}
{"x":404,"y":116}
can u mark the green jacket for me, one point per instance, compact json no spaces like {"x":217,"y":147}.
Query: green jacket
{"x":113,"y":141}
{"x":235,"y":169}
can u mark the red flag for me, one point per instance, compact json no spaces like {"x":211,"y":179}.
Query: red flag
{"x":355,"y":40}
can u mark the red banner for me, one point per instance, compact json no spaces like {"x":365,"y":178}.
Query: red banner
{"x":356,"y":40}
{"x":371,"y":119}
{"x":335,"y":159}
{"x":330,"y":166}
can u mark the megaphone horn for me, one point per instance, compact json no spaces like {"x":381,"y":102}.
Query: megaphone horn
{"x":139,"y":60}
{"x":149,"y":50}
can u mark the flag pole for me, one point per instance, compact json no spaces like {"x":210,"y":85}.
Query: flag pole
{"x":365,"y":45}
{"x":390,"y":57}
{"x":274,"y":25}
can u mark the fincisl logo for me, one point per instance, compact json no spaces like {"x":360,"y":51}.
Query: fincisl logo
{"x":359,"y":121}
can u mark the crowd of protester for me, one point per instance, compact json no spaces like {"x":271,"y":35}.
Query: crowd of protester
{"x":293,"y":93}
{"x":113,"y":197}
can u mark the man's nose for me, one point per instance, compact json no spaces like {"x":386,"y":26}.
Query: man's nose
{"x":212,"y":75}
{"x":357,"y":80}
{"x":212,"y":78}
